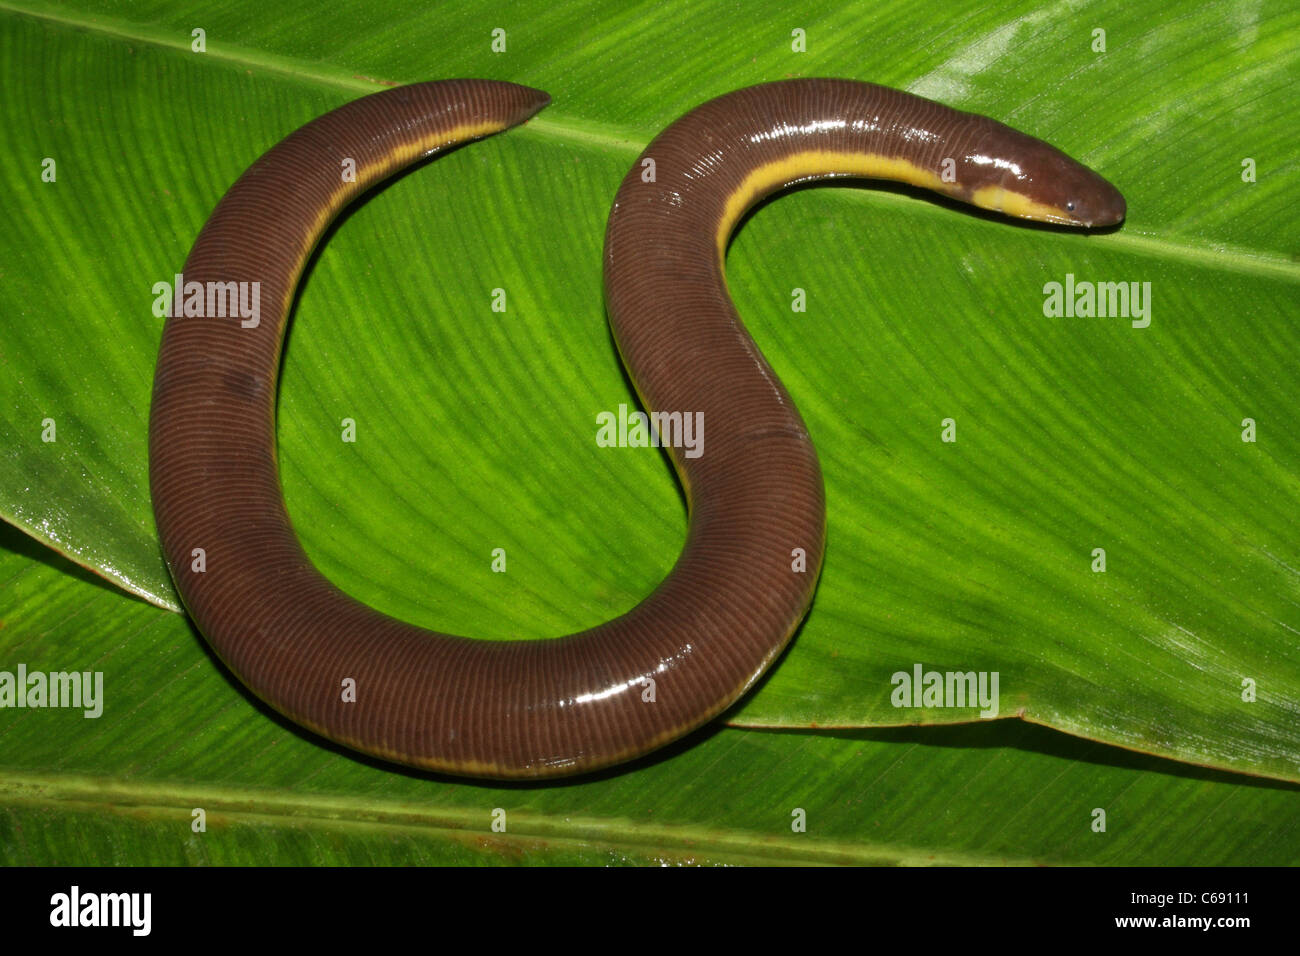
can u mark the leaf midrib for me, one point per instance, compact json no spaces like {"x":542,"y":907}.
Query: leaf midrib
{"x":376,"y":815}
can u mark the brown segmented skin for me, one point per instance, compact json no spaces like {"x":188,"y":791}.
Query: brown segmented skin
{"x":757,"y":530}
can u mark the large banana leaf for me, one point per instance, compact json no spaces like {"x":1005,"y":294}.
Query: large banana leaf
{"x":476,"y":431}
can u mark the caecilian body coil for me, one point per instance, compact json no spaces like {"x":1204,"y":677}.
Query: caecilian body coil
{"x":539,"y":708}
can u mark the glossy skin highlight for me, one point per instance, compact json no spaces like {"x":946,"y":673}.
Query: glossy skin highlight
{"x":754,"y":546}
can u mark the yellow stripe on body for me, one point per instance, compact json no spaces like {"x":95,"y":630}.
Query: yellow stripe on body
{"x":817,"y":163}
{"x":399,"y":156}
{"x":813,"y":164}
{"x":1017,"y":204}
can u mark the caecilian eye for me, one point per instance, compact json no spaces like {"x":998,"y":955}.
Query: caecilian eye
{"x":1069,"y":207}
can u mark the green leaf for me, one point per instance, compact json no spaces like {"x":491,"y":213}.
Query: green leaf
{"x":475,"y":429}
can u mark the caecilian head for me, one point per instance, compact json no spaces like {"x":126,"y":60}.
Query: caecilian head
{"x":1020,"y":176}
